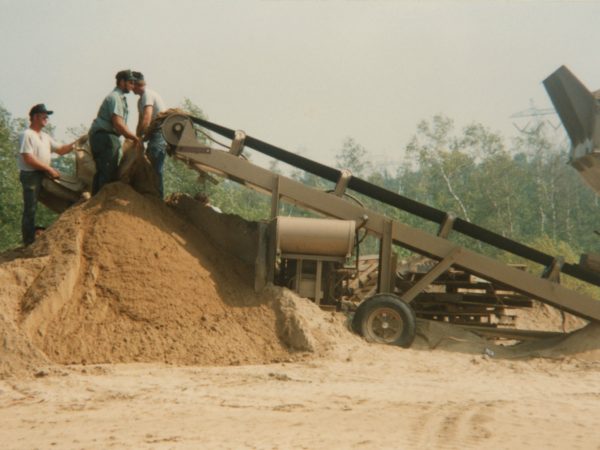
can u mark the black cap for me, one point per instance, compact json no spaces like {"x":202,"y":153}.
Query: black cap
{"x":126,"y":75}
{"x":139,"y":76}
{"x":40,"y":108}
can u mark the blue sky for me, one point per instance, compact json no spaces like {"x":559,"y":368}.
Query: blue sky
{"x":303,"y":75}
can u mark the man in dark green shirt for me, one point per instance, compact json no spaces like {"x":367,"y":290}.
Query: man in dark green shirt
{"x":110,"y":123}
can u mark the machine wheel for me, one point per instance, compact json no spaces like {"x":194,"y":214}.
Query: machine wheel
{"x":385,"y":319}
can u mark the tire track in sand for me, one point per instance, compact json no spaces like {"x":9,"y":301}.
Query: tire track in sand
{"x":454,"y":424}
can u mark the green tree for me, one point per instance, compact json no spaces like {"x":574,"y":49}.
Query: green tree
{"x":177,"y":176}
{"x":445,"y":166}
{"x":353,"y":157}
{"x":10,"y":188}
{"x":559,"y":204}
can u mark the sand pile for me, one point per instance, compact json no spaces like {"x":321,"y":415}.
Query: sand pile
{"x":17,"y":352}
{"x":547,"y":318}
{"x":582,"y":344}
{"x":444,"y":336}
{"x":123,"y":278}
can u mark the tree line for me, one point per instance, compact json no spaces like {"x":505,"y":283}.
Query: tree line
{"x":522,"y":188}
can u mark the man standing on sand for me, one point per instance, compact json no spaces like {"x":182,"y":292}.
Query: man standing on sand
{"x":35,"y":148}
{"x":110,"y":123}
{"x":149,"y":105}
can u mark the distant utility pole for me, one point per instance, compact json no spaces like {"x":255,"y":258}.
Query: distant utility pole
{"x":530,"y":120}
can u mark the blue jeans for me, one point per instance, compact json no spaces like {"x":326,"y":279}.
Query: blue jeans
{"x":156,"y":151}
{"x":105,"y":150}
{"x":32,"y":184}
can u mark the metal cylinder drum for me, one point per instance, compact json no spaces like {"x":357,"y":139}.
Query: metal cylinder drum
{"x":308,"y":236}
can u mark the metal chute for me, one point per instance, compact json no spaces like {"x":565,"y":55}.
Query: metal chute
{"x":579,"y":111}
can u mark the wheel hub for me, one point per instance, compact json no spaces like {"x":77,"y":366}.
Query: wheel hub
{"x":385,"y":325}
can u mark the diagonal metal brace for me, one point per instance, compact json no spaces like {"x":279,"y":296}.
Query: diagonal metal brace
{"x":552,"y":272}
{"x":342,"y":183}
{"x":446,"y":225}
{"x":430,"y":276}
{"x":237,"y":145}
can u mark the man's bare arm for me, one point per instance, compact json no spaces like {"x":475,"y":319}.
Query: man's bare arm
{"x":38,"y":165}
{"x":144,"y":120}
{"x":121,"y":127}
{"x":65,"y":148}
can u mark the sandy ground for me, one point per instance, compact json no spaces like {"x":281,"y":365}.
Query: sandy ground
{"x":368,"y":396}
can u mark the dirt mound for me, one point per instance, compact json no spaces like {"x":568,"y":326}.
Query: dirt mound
{"x":583,"y":344}
{"x":444,"y":336}
{"x":123,"y":278}
{"x":17,"y":353}
{"x":547,"y":318}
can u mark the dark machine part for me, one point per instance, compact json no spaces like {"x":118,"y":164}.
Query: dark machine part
{"x":458,"y":297}
{"x":579,"y":111}
{"x":335,"y":280}
{"x":574,"y":103}
{"x":455,"y":296}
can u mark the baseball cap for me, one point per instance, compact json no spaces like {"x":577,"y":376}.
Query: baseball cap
{"x":126,"y":75}
{"x":40,"y":108}
{"x":139,"y":76}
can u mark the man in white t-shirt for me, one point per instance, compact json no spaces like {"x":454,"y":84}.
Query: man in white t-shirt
{"x":35,"y":148}
{"x":149,"y":105}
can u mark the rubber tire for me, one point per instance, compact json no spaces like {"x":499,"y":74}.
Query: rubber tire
{"x":366,"y":309}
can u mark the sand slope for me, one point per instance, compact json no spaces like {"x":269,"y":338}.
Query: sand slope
{"x":122,"y":278}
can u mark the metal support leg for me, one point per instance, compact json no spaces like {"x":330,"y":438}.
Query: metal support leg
{"x":237,"y":145}
{"x":298,"y":275}
{"x":318,"y":275}
{"x":430,"y":276}
{"x":260,"y":265}
{"x":552,"y":272}
{"x":271,"y":261}
{"x":275,"y":199}
{"x":446,"y":225}
{"x":393,"y":269}
{"x":342,"y":182}
{"x":385,"y":258}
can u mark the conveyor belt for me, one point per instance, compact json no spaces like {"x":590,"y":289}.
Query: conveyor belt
{"x":399,"y":201}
